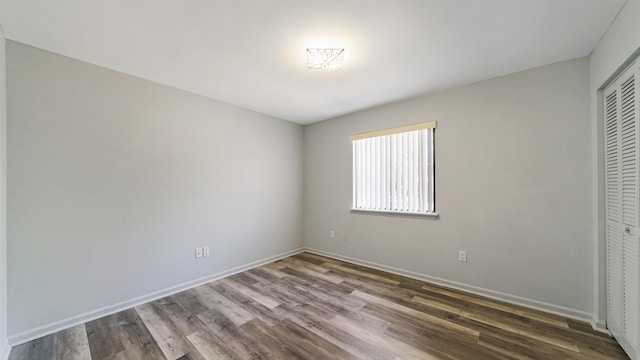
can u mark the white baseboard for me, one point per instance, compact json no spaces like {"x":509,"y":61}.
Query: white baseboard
{"x":513,"y":299}
{"x":51,"y":328}
{"x":5,"y":349}
{"x":112,"y":309}
{"x":600,"y":326}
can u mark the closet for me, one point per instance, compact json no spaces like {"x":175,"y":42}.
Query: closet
{"x":622,"y":174}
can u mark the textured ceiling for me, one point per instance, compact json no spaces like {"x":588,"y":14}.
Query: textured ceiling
{"x":251,"y":53}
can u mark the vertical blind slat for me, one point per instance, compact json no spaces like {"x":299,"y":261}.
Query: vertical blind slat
{"x":369,"y":176}
{"x":372,"y":164}
{"x":405,"y":172}
{"x":410,"y":167}
{"x":392,"y":174}
{"x":363,"y":178}
{"x":416,"y":171}
{"x":385,"y":177}
{"x":377,"y":176}
{"x":420,"y":195}
{"x":400,"y":172}
{"x":354,"y":179}
{"x":431,"y":178}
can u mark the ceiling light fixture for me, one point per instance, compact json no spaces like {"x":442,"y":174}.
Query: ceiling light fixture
{"x":324,"y":58}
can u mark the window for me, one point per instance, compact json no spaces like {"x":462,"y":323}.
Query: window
{"x":393,"y":170}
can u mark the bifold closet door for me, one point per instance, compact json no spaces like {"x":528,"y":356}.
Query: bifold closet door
{"x":622,"y":173}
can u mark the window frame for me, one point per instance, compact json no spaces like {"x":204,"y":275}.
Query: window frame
{"x":427,"y":168}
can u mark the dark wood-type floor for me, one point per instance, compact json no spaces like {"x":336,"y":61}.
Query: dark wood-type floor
{"x":311,"y":307}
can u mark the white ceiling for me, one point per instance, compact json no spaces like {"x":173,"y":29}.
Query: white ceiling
{"x":251,"y":53}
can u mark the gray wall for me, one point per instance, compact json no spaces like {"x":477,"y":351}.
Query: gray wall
{"x":513,"y":188}
{"x":3,"y":200}
{"x":619,"y":45}
{"x":113,"y":181}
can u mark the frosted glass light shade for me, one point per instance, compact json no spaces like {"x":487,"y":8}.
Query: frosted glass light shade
{"x":324,"y":58}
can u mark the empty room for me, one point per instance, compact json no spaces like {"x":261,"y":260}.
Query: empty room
{"x":340,"y":179}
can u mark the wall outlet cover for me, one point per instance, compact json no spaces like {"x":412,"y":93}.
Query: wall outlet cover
{"x":462,"y":256}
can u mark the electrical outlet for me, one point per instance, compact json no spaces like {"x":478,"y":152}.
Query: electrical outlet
{"x":332,"y":234}
{"x":198,"y":253}
{"x":205,"y":251}
{"x":343,"y":236}
{"x":462,"y":256}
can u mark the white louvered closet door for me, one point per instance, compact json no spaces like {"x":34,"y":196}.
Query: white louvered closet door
{"x":622,"y":172}
{"x":614,"y":229}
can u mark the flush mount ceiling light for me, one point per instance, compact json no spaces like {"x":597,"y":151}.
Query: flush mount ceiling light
{"x":324,"y":58}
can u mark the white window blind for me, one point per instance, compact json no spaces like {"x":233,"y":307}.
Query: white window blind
{"x":393,"y":170}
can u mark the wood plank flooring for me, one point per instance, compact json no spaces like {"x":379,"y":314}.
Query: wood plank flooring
{"x":311,"y":307}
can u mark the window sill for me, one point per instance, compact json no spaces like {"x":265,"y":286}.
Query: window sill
{"x":433,"y":216}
